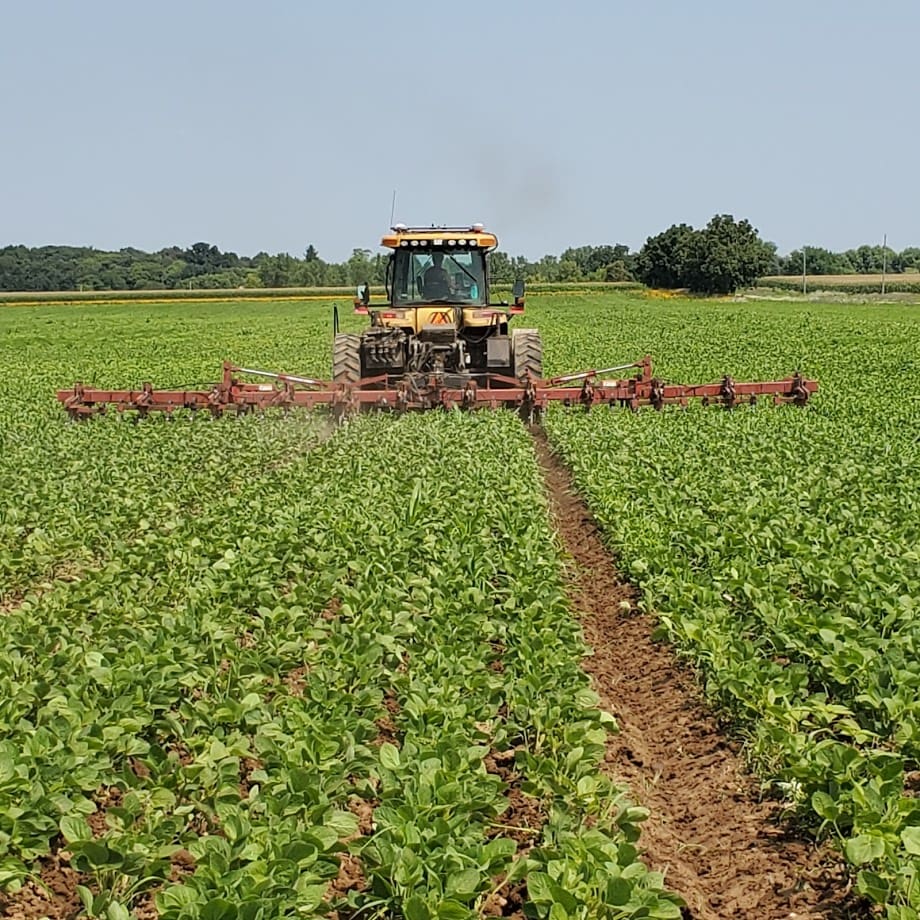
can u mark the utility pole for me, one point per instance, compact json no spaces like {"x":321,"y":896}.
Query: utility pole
{"x":884,"y":259}
{"x":804,"y":275}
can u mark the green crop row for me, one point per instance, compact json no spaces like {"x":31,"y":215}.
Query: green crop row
{"x":778,"y":547}
{"x":288,"y":674}
{"x":327,"y":642}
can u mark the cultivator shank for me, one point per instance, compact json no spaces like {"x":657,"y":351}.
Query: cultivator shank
{"x":413,"y":392}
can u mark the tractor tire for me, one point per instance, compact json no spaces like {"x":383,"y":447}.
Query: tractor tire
{"x":346,"y":358}
{"x":527,"y":353}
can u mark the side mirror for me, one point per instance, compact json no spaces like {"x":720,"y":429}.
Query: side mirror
{"x":518,"y":292}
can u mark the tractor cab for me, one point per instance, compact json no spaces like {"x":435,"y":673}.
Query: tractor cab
{"x":434,"y":276}
{"x":438,"y":321}
{"x":448,"y":274}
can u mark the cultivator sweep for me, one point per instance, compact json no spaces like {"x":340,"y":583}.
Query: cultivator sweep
{"x":529,"y":395}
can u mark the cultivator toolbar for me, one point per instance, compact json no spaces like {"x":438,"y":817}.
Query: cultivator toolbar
{"x":413,"y":392}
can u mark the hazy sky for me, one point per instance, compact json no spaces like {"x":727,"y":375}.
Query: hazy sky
{"x":268,"y":126}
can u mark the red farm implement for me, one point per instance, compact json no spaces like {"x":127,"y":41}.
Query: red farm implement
{"x":529,"y":395}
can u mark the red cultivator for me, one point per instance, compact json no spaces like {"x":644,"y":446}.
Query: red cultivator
{"x":529,"y":395}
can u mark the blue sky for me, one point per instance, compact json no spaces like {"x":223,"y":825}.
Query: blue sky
{"x":270,"y":126}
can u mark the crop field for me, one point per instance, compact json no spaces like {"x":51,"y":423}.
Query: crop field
{"x":894,"y":282}
{"x":261,"y":667}
{"x":852,"y":278}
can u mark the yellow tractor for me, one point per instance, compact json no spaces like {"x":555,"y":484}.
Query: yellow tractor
{"x":438,"y":327}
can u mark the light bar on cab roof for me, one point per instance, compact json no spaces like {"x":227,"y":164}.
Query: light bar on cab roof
{"x":448,"y":242}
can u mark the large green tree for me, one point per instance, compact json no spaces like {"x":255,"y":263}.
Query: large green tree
{"x":722,"y":257}
{"x":726,"y":255}
{"x":663,"y":260}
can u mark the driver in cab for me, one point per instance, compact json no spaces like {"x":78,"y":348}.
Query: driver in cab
{"x":436,"y":282}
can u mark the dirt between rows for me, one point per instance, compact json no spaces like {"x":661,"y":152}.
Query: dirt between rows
{"x":722,"y":847}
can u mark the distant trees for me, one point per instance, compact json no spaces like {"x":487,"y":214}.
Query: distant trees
{"x":817,"y":261}
{"x":870,"y":260}
{"x":722,"y":257}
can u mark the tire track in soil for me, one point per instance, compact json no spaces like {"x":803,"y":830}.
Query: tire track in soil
{"x":721,"y":846}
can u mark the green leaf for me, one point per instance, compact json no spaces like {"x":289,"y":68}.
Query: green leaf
{"x":910,"y":837}
{"x":310,"y":896}
{"x":665,"y":910}
{"x":117,"y":911}
{"x":176,"y":897}
{"x":463,"y":884}
{"x":389,"y":756}
{"x":864,"y":848}
{"x":873,"y":886}
{"x":499,"y":848}
{"x":343,"y":823}
{"x":825,"y":806}
{"x":301,"y":780}
{"x":538,"y":888}
{"x":98,"y":854}
{"x":416,"y":909}
{"x":619,"y":891}
{"x":74,"y":828}
{"x":563,"y":896}
{"x":218,"y":909}
{"x":87,"y":898}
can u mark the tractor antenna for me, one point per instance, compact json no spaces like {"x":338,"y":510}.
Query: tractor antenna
{"x":393,"y":208}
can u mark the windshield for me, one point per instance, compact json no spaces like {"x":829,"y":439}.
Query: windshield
{"x":456,"y":276}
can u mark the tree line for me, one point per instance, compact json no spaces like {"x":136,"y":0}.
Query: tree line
{"x":720,"y":258}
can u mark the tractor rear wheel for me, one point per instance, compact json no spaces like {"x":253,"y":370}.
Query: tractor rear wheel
{"x":346,"y":358}
{"x":527,"y":353}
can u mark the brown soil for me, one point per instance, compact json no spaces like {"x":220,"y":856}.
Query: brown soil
{"x":296,"y":681}
{"x":53,"y":897}
{"x":351,"y":875}
{"x":506,"y":902}
{"x":331,"y":610}
{"x":183,"y":754}
{"x":387,"y":733}
{"x":364,"y":812}
{"x":723,"y":848}
{"x":524,"y":817}
{"x":247,"y":766}
{"x":105,"y":798}
{"x":350,"y":878}
{"x":522,"y":821}
{"x":391,"y":703}
{"x":386,"y":727}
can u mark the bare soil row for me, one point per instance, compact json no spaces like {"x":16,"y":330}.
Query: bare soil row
{"x":722,"y":846}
